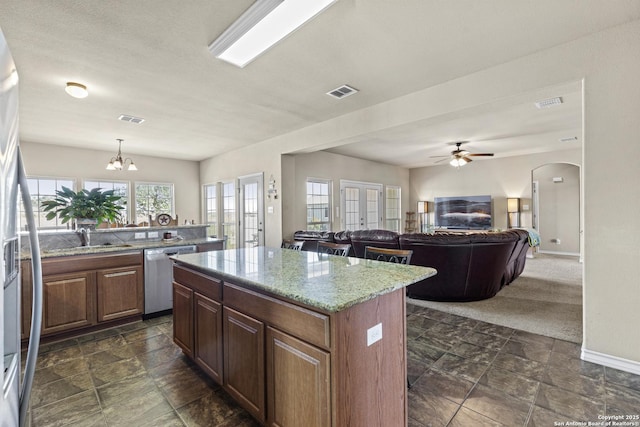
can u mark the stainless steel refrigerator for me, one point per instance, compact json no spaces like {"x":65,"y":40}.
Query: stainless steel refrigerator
{"x":14,"y":399}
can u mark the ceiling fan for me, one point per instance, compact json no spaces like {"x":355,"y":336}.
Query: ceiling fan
{"x":460,"y":157}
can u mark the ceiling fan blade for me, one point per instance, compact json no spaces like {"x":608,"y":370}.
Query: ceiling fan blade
{"x":433,"y":157}
{"x":481,"y":154}
{"x":467,"y":159}
{"x":442,"y":160}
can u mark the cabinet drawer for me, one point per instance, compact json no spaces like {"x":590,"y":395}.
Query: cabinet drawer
{"x":70,"y":264}
{"x":303,"y":323}
{"x":205,"y":285}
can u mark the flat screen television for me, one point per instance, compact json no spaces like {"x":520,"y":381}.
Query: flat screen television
{"x":463,"y":212}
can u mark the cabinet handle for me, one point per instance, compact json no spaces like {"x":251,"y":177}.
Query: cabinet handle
{"x":122,"y":273}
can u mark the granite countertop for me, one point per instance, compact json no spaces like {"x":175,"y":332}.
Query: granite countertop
{"x":330,"y":283}
{"x":98,"y":249}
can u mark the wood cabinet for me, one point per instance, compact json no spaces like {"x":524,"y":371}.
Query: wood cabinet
{"x":217,"y":245}
{"x":244,"y":366}
{"x":298,"y":382}
{"x":120,"y":292}
{"x":183,"y":321}
{"x":85,"y":291}
{"x":208,"y":336}
{"x":68,"y":302}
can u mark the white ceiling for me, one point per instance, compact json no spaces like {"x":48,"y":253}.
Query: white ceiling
{"x":149,"y":58}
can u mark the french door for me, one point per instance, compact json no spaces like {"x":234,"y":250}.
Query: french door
{"x":251,"y":211}
{"x":361,"y":205}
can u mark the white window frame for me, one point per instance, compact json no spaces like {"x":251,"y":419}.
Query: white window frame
{"x":126,"y":216}
{"x":398,"y":208}
{"x":36,"y":198}
{"x":313,"y":225}
{"x":135,"y":198}
{"x":214,"y":226}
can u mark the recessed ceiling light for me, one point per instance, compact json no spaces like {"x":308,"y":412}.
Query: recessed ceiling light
{"x":76,"y":90}
{"x":546,"y":103}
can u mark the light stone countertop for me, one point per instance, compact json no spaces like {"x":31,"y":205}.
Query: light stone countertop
{"x":327,"y":282}
{"x":99,"y":249}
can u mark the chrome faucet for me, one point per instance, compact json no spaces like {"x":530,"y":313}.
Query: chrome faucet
{"x":84,"y":236}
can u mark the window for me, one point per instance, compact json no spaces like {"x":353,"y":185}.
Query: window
{"x":153,"y":199}
{"x":318,"y":205}
{"x":393,"y":208}
{"x":120,"y":188}
{"x":211,"y":208}
{"x":42,"y":189}
{"x":229,"y":220}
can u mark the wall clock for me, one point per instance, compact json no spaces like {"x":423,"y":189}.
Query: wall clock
{"x":163,"y":219}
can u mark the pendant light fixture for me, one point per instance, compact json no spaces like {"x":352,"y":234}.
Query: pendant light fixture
{"x":116,"y":163}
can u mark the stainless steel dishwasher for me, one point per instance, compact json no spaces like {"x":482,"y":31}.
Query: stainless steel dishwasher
{"x":158,"y":276}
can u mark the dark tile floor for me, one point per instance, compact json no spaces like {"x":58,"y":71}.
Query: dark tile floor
{"x":463,"y":373}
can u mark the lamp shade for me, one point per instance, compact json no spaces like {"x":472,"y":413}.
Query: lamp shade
{"x":513,"y":205}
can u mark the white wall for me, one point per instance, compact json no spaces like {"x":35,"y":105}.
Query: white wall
{"x":559,"y":208}
{"x":334,"y":167}
{"x":500,"y":178}
{"x":609,"y":64}
{"x":80,"y":164}
{"x":260,"y":158}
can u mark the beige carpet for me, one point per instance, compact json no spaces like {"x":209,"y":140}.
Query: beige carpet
{"x":546,"y":299}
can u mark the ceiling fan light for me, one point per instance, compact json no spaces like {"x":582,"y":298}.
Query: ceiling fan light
{"x":110,"y":166}
{"x":132,"y":167}
{"x":458,"y":161}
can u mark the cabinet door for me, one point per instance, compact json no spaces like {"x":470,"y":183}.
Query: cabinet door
{"x":120,"y":293}
{"x":183,"y":318}
{"x":297,"y":382}
{"x":208,"y":336}
{"x":68,"y":301}
{"x":244,"y":369}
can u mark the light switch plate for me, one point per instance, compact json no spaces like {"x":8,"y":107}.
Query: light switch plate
{"x":140,"y":235}
{"x":152,"y":234}
{"x":374,"y":334}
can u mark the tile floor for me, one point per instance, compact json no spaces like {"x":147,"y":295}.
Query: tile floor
{"x":463,"y":373}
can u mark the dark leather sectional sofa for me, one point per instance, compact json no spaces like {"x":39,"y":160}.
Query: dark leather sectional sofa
{"x":471,"y":265}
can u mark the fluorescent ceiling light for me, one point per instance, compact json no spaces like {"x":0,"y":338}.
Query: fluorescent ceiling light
{"x":264,"y":24}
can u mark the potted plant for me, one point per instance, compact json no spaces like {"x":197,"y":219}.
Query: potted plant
{"x":85,"y":206}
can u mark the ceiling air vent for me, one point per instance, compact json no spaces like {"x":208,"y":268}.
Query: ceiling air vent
{"x":342,"y":91}
{"x":131,"y":119}
{"x":546,"y":103}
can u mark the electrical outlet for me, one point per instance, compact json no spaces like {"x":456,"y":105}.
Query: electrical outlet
{"x":374,"y":334}
{"x":140,"y":236}
{"x":153,"y":234}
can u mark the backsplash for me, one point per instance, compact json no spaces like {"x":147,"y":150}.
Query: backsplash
{"x":50,"y":240}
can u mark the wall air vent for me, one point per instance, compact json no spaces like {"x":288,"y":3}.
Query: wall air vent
{"x":342,"y":91}
{"x":131,"y":119}
{"x":546,"y":103}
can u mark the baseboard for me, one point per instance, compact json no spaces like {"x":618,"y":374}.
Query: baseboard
{"x":611,"y":361}
{"x":559,"y":253}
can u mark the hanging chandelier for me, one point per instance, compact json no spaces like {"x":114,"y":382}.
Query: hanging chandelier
{"x":116,"y":163}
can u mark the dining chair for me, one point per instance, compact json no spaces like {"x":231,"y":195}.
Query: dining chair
{"x":292,"y":244}
{"x":340,"y":249}
{"x":399,"y":256}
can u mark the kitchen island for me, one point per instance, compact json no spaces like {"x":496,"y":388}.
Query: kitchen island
{"x":298,"y":338}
